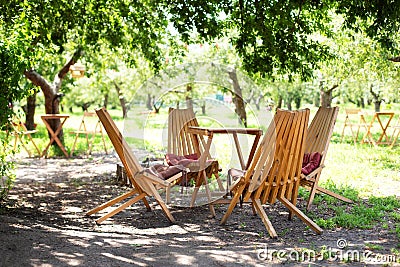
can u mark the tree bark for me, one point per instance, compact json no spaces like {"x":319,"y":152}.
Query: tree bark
{"x":376,"y":99}
{"x":30,"y":112}
{"x":280,"y":100}
{"x":189,"y":100}
{"x":105,"y":100}
{"x":148,"y":102}
{"x":240,"y":107}
{"x":326,"y":95}
{"x":121,"y":99}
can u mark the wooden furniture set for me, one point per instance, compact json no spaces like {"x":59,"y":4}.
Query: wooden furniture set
{"x":272,"y":173}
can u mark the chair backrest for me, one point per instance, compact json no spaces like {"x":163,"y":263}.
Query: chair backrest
{"x":320,"y":131}
{"x":89,"y":125}
{"x":352,"y":116}
{"x":180,"y":142}
{"x":128,"y":159}
{"x":276,"y":166}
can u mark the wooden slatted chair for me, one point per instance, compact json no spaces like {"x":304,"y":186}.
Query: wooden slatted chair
{"x":395,"y":134}
{"x":353,"y":119}
{"x":19,"y":132}
{"x":86,"y":128}
{"x":274,"y":173}
{"x":318,"y":138}
{"x":145,"y":183}
{"x":181,"y":143}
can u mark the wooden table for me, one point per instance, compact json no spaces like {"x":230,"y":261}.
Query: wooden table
{"x":54,"y":135}
{"x":209,"y":132}
{"x":383,"y":126}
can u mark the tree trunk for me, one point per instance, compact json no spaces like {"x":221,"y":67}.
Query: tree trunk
{"x":362,"y":102}
{"x":237,"y":98}
{"x":289,"y":103}
{"x":148,"y":102}
{"x":30,"y":111}
{"x":376,"y":99}
{"x":280,"y":101}
{"x":105,"y":100}
{"x":189,"y":100}
{"x":121,"y":99}
{"x":297,"y":102}
{"x":203,"y":108}
{"x":157,"y":108}
{"x":326,"y":95}
{"x":258,"y":101}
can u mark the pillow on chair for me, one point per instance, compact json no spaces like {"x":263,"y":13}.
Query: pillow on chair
{"x":311,"y":162}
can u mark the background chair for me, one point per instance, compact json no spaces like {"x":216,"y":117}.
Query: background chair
{"x":318,"y":139}
{"x":90,"y":125}
{"x":145,"y":181}
{"x":395,"y":134}
{"x":352,"y":119}
{"x":19,"y":131}
{"x":183,"y":144}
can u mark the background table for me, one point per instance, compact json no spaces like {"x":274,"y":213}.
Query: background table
{"x":54,"y":135}
{"x":209,"y":132}
{"x":383,"y":126}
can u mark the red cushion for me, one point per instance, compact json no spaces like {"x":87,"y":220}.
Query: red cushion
{"x":311,"y":162}
{"x":185,"y":160}
{"x":164,"y":171}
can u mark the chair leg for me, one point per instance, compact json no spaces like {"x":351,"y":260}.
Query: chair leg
{"x":256,"y":203}
{"x":395,"y":138}
{"x":313,"y":190}
{"x":160,"y":202}
{"x":301,"y":215}
{"x":121,"y":208}
{"x":112,"y":202}
{"x":326,"y":191}
{"x":232,"y":204}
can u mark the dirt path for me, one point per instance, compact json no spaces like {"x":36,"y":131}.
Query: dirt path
{"x":43,"y":224}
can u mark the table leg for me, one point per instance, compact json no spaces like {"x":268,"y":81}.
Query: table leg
{"x":384,"y":128}
{"x":54,"y":137}
{"x":368,"y":134}
{"x":238,"y":150}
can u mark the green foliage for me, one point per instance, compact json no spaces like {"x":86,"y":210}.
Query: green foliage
{"x":7,"y":177}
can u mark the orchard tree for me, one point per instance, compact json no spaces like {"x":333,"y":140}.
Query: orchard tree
{"x":61,"y":28}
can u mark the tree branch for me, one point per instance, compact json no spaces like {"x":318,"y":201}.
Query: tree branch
{"x":64,"y":70}
{"x":38,"y":80}
{"x":332,"y":88}
{"x":395,"y":59}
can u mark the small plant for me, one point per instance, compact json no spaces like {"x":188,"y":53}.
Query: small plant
{"x":7,"y":177}
{"x":373,"y":246}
